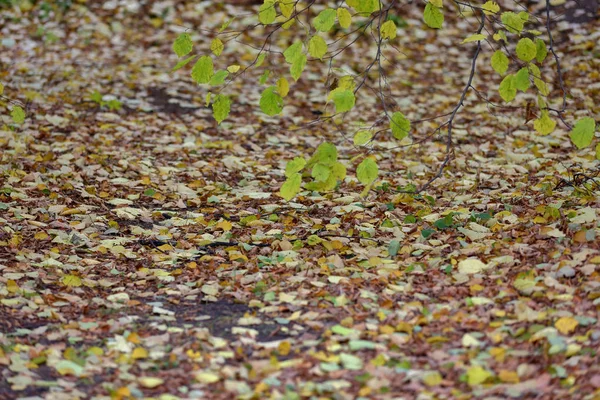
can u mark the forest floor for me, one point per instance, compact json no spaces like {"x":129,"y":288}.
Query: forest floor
{"x":145,"y":251}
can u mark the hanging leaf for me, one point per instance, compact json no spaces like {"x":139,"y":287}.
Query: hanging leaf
{"x":267,"y":13}
{"x":582,"y":133}
{"x":388,"y":30}
{"x":221,"y":108}
{"x":203,"y":70}
{"x":526,"y":49}
{"x":507,"y":89}
{"x":343,"y":100}
{"x":399,"y":125}
{"x":500,"y":62}
{"x":367,"y":171}
{"x":183,"y":45}
{"x":433,"y":16}
{"x":325,"y":20}
{"x":344,"y":17}
{"x":298,"y":66}
{"x":544,"y":125}
{"x":317,"y":47}
{"x":217,"y":46}
{"x":271,"y":103}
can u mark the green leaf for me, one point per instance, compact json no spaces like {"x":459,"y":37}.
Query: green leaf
{"x":226,"y":24}
{"x":183,"y":63}
{"x":325,"y":20}
{"x":507,"y":90}
{"x":271,"y":103}
{"x":267,"y":13}
{"x":221,"y":107}
{"x":490,"y":7}
{"x":582,"y":133}
{"x":291,"y":187}
{"x":400,"y":125}
{"x":71,"y":280}
{"x":293,"y":52}
{"x":537,"y":80}
{"x":522,"y":82}
{"x":388,"y":30}
{"x":183,"y":45}
{"x":541,"y":50}
{"x":433,"y":16}
{"x":317,"y":47}
{"x":321,"y":172}
{"x":343,"y":99}
{"x":294,"y":166}
{"x":264,"y":77}
{"x":362,"y":137}
{"x":344,"y":17}
{"x":203,"y":70}
{"x":364,"y":6}
{"x":512,"y":22}
{"x":217,"y":46}
{"x":526,"y":49}
{"x":598,"y":151}
{"x":1,"y":88}
{"x":287,"y":7}
{"x":500,"y":62}
{"x":219,"y":78}
{"x":476,"y":37}
{"x":367,"y":171}
{"x":544,"y":125}
{"x":326,"y":154}
{"x":18,"y":115}
{"x":298,"y":66}
{"x":338,"y":171}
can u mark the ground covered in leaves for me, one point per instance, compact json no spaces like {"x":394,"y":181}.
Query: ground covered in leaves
{"x":145,"y":252}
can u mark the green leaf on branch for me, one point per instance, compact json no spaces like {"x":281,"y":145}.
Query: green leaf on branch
{"x":183,"y":45}
{"x":217,"y":46}
{"x":582,"y":133}
{"x":183,"y":63}
{"x":293,"y":52}
{"x":221,"y":107}
{"x":526,"y":49}
{"x":541,"y":50}
{"x":287,"y":7}
{"x":364,"y":6}
{"x":267,"y":13}
{"x":294,"y":166}
{"x":343,"y":100}
{"x":500,"y":62}
{"x":362,"y":137}
{"x":271,"y":103}
{"x":598,"y":151}
{"x":537,"y":80}
{"x":203,"y":70}
{"x":508,"y":90}
{"x":476,"y":37}
{"x":522,"y":82}
{"x":344,"y":17}
{"x":367,"y":171}
{"x":219,"y":78}
{"x":317,"y":47}
{"x":433,"y":16}
{"x":321,"y":172}
{"x":400,"y":125}
{"x":326,"y":154}
{"x":325,"y":20}
{"x":490,"y":7}
{"x":291,"y":187}
{"x":512,"y":22}
{"x":18,"y":115}
{"x":298,"y":66}
{"x":544,"y":125}
{"x":388,"y":30}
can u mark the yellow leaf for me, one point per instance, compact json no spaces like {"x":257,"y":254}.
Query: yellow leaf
{"x":471,"y":266}
{"x":233,"y":69}
{"x":12,"y":286}
{"x":97,"y":351}
{"x":474,"y":38}
{"x":508,"y":376}
{"x":1,"y":88}
{"x":225,"y":225}
{"x":165,"y":247}
{"x":284,"y":348}
{"x":388,"y":30}
{"x":490,"y":7}
{"x":283,"y":86}
{"x":150,"y":382}
{"x":139,"y":352}
{"x":287,"y":7}
{"x":476,"y":375}
{"x":217,"y":46}
{"x":566,"y":325}
{"x":41,"y":236}
{"x":437,"y":3}
{"x":207,"y":377}
{"x":71,"y":280}
{"x":134,"y":338}
{"x":432,"y":378}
